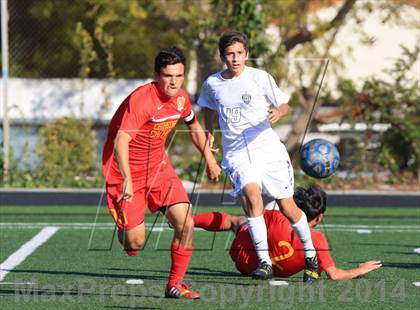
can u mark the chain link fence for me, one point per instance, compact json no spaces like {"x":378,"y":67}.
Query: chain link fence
{"x":81,"y":58}
{"x":47,"y":80}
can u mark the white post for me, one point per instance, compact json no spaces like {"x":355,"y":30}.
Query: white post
{"x":5,"y":76}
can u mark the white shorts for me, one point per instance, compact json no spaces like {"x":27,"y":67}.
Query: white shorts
{"x":275,"y":178}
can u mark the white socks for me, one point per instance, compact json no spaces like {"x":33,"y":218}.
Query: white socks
{"x":258,"y":232}
{"x":301,"y":228}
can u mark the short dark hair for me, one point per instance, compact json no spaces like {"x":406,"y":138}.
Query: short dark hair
{"x":312,"y":201}
{"x":169,"y":56}
{"x":231,"y":37}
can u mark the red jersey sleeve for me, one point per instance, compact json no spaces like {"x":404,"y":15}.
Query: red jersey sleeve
{"x":136,"y":114}
{"x":187,"y":113}
{"x":321,"y":245}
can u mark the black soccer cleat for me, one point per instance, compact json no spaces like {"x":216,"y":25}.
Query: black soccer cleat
{"x":310,"y":273}
{"x":263,"y":272}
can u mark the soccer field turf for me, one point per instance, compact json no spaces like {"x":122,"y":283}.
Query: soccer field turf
{"x":78,"y":267}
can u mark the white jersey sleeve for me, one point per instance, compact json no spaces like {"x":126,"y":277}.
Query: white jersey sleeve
{"x":206,"y":99}
{"x":273,"y":93}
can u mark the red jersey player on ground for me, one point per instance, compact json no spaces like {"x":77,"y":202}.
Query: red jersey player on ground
{"x":137,"y":170}
{"x":285,"y":248}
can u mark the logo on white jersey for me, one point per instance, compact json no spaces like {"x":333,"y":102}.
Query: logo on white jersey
{"x":246,"y":98}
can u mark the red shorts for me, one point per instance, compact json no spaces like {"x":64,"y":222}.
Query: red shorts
{"x":165,"y":191}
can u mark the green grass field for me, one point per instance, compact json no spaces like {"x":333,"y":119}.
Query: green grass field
{"x":82,"y":268}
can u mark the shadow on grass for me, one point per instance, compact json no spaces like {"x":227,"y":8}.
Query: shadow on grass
{"x":191,"y":271}
{"x":25,"y":292}
{"x":207,"y":275}
{"x":401,"y":253}
{"x":401,"y":265}
{"x":203,"y":275}
{"x":367,"y":216}
{"x":128,"y":307}
{"x":93,"y":274}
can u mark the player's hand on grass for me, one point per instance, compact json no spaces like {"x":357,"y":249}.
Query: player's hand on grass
{"x":369,"y":266}
{"x":127,"y":193}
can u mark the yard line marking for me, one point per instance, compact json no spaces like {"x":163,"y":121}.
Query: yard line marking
{"x":160,"y":229}
{"x":373,"y":230}
{"x":164,"y":227}
{"x":17,"y":283}
{"x":111,"y":224}
{"x":25,"y":250}
{"x":417,"y":250}
{"x":135,"y":281}
{"x":61,"y":225}
{"x":369,"y":226}
{"x":278,"y":283}
{"x":363,"y":231}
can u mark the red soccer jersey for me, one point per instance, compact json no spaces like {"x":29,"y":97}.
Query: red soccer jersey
{"x":285,"y":248}
{"x":148,"y":117}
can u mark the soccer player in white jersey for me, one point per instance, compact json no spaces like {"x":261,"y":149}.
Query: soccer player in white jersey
{"x":247,"y":100}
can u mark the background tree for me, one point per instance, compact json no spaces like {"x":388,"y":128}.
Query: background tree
{"x":119,"y":39}
{"x":393,"y":102}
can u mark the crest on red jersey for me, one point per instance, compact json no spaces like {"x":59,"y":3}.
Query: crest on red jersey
{"x":180,"y":102}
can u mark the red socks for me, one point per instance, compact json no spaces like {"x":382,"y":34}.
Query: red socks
{"x":211,"y":221}
{"x":180,"y":258}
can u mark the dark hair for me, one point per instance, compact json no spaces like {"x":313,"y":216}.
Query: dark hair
{"x":231,"y":37}
{"x":169,"y":56}
{"x":312,"y":201}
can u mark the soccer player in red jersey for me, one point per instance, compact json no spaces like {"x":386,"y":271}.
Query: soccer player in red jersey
{"x":285,"y":248}
{"x":137,"y":170}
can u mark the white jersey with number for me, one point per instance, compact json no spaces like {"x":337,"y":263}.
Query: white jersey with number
{"x":242,"y":104}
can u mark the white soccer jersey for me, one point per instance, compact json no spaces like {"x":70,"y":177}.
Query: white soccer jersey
{"x":242,"y":104}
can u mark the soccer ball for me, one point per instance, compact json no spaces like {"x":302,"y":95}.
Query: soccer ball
{"x":319,"y":158}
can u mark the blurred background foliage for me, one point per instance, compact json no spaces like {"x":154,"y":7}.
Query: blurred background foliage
{"x":119,"y":39}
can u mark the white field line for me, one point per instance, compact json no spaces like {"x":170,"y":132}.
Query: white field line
{"x":25,"y":250}
{"x":368,"y":226}
{"x":110,"y":224}
{"x":17,"y":283}
{"x":164,"y":226}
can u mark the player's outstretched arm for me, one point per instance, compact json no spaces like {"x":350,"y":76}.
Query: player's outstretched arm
{"x":121,"y":154}
{"x":335,"y":273}
{"x":209,"y":116}
{"x":202,"y":143}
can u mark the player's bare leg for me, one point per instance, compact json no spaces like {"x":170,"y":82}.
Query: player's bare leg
{"x":180,"y":217}
{"x":132,"y":240}
{"x":300,"y":225}
{"x":252,"y":201}
{"x":254,"y":208}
